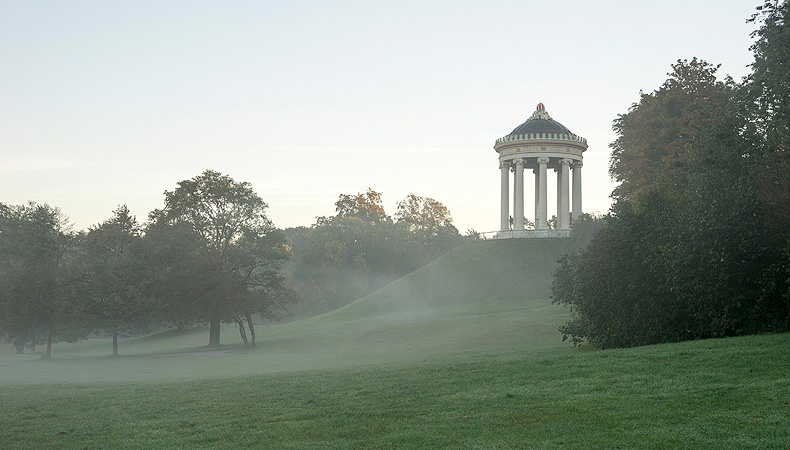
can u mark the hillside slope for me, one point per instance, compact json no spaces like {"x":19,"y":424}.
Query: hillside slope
{"x":489,"y":295}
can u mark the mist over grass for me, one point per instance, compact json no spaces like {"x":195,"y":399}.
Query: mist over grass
{"x":483,"y":296}
{"x":725,"y":393}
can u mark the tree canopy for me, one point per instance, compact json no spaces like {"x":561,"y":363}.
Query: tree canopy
{"x":697,"y":243}
{"x":360,"y":249}
{"x":656,"y":139}
{"x":228,"y":252}
{"x":114,"y":282}
{"x":364,"y":206}
{"x":35,"y":246}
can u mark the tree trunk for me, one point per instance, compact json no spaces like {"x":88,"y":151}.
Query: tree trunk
{"x":213,"y":332}
{"x":49,"y":345}
{"x":252,"y":330}
{"x":241,"y":331}
{"x":115,"y":343}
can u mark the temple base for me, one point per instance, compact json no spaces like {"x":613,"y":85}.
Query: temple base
{"x":519,"y":234}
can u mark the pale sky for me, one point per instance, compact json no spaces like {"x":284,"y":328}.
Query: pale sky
{"x":106,"y":103}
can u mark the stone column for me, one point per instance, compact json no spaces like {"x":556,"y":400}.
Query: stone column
{"x":504,"y":217}
{"x":563,"y":216}
{"x":536,"y":172}
{"x":518,"y":210}
{"x":542,"y":203}
{"x":558,"y":171}
{"x":513,"y":196}
{"x":577,"y":190}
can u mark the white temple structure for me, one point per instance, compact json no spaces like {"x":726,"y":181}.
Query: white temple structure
{"x":540,"y":144}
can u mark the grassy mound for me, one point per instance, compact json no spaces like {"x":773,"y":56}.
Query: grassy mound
{"x":481,"y":296}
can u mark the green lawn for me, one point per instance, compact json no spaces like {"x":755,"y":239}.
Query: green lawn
{"x":462,"y":353}
{"x":729,"y":393}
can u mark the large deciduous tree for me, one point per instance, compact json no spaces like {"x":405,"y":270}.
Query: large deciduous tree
{"x":365,"y":207}
{"x":656,"y":139}
{"x":228,"y":253}
{"x":35,"y":244}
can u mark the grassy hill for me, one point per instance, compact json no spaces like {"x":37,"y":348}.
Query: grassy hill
{"x":483,"y":296}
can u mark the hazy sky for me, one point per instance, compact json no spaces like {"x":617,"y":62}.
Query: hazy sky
{"x":104,"y":103}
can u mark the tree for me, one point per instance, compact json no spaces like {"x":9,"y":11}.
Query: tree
{"x":366,"y":207}
{"x":768,"y":100}
{"x":257,"y":259}
{"x":228,"y":248}
{"x":474,"y":235}
{"x":767,"y":84}
{"x":173,"y":253}
{"x":656,"y":136}
{"x":430,"y":224}
{"x":35,"y":244}
{"x":425,"y":217}
{"x":695,"y":246}
{"x":113,"y":277}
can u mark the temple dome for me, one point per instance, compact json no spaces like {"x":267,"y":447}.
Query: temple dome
{"x":540,"y":122}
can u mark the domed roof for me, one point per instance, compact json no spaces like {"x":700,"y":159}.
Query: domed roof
{"x":540,"y":122}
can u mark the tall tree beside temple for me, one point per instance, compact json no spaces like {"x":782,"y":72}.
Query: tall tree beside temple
{"x":769,"y":111}
{"x":657,"y":138}
{"x":696,"y":244}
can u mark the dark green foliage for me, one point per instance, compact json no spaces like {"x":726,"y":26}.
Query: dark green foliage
{"x":112,"y":282}
{"x":346,"y":256}
{"x":643,"y":279}
{"x":660,"y":136}
{"x":585,"y":227}
{"x":35,"y":252}
{"x":696,"y":244}
{"x":218,"y":256}
{"x":767,"y":84}
{"x":768,"y":106}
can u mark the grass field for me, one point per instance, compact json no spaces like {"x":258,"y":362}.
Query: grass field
{"x":463,"y":353}
{"x":729,"y":393}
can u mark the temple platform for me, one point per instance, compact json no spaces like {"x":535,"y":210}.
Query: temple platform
{"x":518,"y":234}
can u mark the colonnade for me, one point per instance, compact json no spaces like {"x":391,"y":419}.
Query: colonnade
{"x":563,"y":167}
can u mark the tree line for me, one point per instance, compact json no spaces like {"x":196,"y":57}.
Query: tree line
{"x":697,"y":242}
{"x":361,"y":248}
{"x":209,"y":256}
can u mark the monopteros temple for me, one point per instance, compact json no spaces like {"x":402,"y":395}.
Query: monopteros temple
{"x":540,"y":144}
